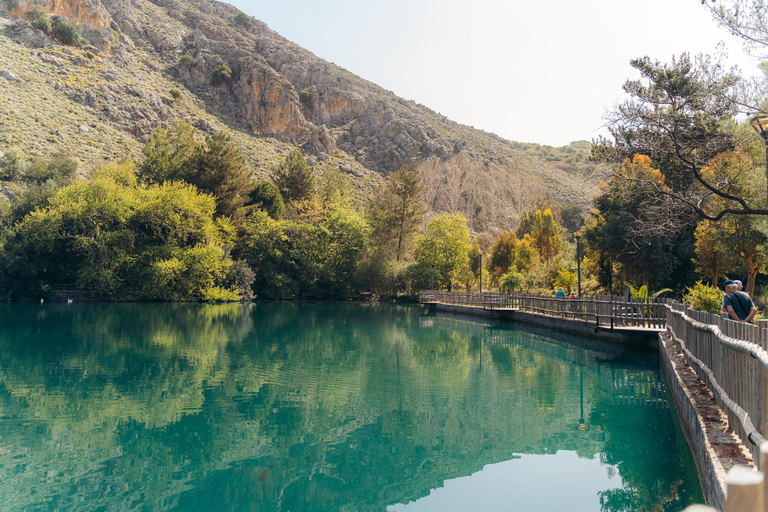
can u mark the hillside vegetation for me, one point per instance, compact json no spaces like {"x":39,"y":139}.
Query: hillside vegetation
{"x":141,"y":65}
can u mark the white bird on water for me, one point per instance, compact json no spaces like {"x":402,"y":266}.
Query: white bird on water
{"x":41,"y":301}
{"x":69,"y":301}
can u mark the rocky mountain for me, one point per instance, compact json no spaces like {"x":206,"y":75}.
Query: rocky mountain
{"x":144,"y":64}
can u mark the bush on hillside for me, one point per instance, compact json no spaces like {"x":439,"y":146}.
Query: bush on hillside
{"x":69,"y":33}
{"x":40,"y":19}
{"x":273,"y":63}
{"x":186,"y":61}
{"x":221,"y":74}
{"x":243,"y":20}
{"x":305,"y":96}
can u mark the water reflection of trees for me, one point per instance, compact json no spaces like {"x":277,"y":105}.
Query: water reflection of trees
{"x":297,"y":406}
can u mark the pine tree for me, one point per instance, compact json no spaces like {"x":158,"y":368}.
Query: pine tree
{"x":295,"y":177}
{"x":397,"y":210}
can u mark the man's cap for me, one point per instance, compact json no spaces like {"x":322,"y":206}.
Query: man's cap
{"x":728,"y":283}
{"x":736,"y":281}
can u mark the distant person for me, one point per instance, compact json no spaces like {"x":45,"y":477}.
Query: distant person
{"x":741,"y":287}
{"x":560,"y":293}
{"x":572,"y":295}
{"x":738,"y":304}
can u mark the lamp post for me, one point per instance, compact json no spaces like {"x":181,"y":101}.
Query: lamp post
{"x":760,"y":124}
{"x":481,"y":271}
{"x":577,"y":235}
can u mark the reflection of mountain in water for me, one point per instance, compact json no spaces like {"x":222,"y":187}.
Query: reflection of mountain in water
{"x":308,"y":407}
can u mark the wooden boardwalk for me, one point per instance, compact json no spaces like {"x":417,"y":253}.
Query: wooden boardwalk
{"x":603,"y":313}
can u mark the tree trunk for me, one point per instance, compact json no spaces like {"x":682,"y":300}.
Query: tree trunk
{"x":400,"y":235}
{"x":749,"y":260}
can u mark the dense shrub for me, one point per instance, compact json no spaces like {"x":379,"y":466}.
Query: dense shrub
{"x":123,"y":241}
{"x":186,"y":61}
{"x":69,"y":33}
{"x":305,"y":96}
{"x":175,"y":94}
{"x":274,"y":63}
{"x":40,"y":19}
{"x":511,"y":281}
{"x":221,"y":74}
{"x":243,"y":20}
{"x":702,"y":296}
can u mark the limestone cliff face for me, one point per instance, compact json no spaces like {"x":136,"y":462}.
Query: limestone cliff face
{"x":91,"y":12}
{"x":268,"y":103}
{"x":279,"y":92}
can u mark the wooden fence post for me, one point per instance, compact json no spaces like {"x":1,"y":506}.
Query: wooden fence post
{"x":744,"y":490}
{"x":763,"y":466}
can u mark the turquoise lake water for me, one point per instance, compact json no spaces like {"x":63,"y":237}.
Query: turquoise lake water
{"x":308,"y":407}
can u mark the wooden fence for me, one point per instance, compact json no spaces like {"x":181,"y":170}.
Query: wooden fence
{"x":601,"y":310}
{"x":731,"y":359}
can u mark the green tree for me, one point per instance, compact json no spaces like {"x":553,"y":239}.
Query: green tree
{"x":69,"y":33}
{"x":546,"y":235}
{"x":511,"y":281}
{"x":707,"y":298}
{"x":295,"y":177}
{"x":348,"y":234}
{"x":679,"y":115}
{"x":169,"y":154}
{"x":222,"y":171}
{"x":243,"y":20}
{"x":731,"y":245}
{"x":266,"y":196}
{"x":444,"y":245}
{"x":125,"y":242}
{"x":215,"y":166}
{"x":302,"y":260}
{"x":567,"y":279}
{"x":503,"y":255}
{"x":397,"y":209}
{"x":616,"y":237}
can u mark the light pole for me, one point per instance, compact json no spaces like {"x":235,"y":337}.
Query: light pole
{"x":577,"y":235}
{"x":481,"y":271}
{"x":760,"y":124}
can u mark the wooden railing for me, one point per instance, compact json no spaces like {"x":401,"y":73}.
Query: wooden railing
{"x":731,"y":359}
{"x":602,"y":310}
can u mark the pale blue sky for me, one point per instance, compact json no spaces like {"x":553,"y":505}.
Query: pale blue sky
{"x":529,"y":71}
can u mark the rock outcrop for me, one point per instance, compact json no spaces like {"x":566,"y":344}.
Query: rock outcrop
{"x":155,"y":61}
{"x":268,"y":104}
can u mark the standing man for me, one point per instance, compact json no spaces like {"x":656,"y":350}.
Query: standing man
{"x":738,"y":305}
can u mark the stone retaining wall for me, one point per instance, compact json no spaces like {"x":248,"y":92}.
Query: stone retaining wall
{"x":715,"y":447}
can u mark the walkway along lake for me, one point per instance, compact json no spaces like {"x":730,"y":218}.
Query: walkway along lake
{"x":323,"y":407}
